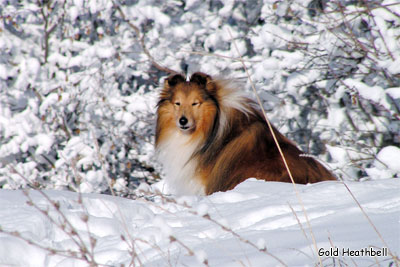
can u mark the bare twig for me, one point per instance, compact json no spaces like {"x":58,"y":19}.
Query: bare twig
{"x":140,"y":38}
{"x":379,"y":31}
{"x":395,"y":257}
{"x":202,"y":53}
{"x":209,"y":218}
{"x":65,"y":226}
{"x":64,"y":253}
{"x":47,"y":28}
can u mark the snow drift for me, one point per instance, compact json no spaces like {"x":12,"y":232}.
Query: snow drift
{"x":256,"y":224}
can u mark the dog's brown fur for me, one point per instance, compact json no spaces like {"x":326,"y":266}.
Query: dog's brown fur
{"x":226,"y":140}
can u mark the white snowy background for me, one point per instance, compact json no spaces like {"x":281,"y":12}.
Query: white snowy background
{"x":78,"y":87}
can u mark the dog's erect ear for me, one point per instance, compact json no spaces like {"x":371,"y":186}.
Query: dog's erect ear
{"x":204,"y":80}
{"x":173,"y":80}
{"x":200,"y":78}
{"x":169,"y":83}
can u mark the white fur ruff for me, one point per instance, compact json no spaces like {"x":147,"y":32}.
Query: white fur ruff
{"x":174,"y":154}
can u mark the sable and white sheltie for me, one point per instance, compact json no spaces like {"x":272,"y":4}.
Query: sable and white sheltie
{"x":210,"y":137}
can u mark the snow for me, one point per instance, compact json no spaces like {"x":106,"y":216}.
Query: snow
{"x":394,"y":92}
{"x":390,"y":157}
{"x":44,"y":143}
{"x":256,"y":224}
{"x":385,"y":164}
{"x":374,"y":93}
{"x":84,"y":117}
{"x":3,"y":72}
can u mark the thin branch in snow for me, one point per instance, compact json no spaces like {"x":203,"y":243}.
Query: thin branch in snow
{"x":394,"y":256}
{"x":140,"y":38}
{"x":379,"y":31}
{"x":65,"y":225}
{"x":166,"y":199}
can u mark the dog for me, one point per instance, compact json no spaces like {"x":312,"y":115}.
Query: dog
{"x":210,"y":137}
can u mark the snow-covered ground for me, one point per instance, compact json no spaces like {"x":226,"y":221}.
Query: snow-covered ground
{"x":78,"y":90}
{"x":256,"y":224}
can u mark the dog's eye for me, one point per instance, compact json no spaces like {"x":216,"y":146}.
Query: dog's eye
{"x":177,"y":103}
{"x":195,"y":103}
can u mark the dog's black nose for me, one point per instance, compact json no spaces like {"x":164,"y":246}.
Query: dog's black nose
{"x":183,"y":121}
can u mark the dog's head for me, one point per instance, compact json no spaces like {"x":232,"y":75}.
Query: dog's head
{"x":189,"y":101}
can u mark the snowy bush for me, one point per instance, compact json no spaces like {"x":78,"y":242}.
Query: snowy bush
{"x":333,"y":66}
{"x":68,"y":88}
{"x":79,"y":82}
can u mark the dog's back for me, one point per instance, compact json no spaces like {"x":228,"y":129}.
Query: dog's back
{"x":250,"y":151}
